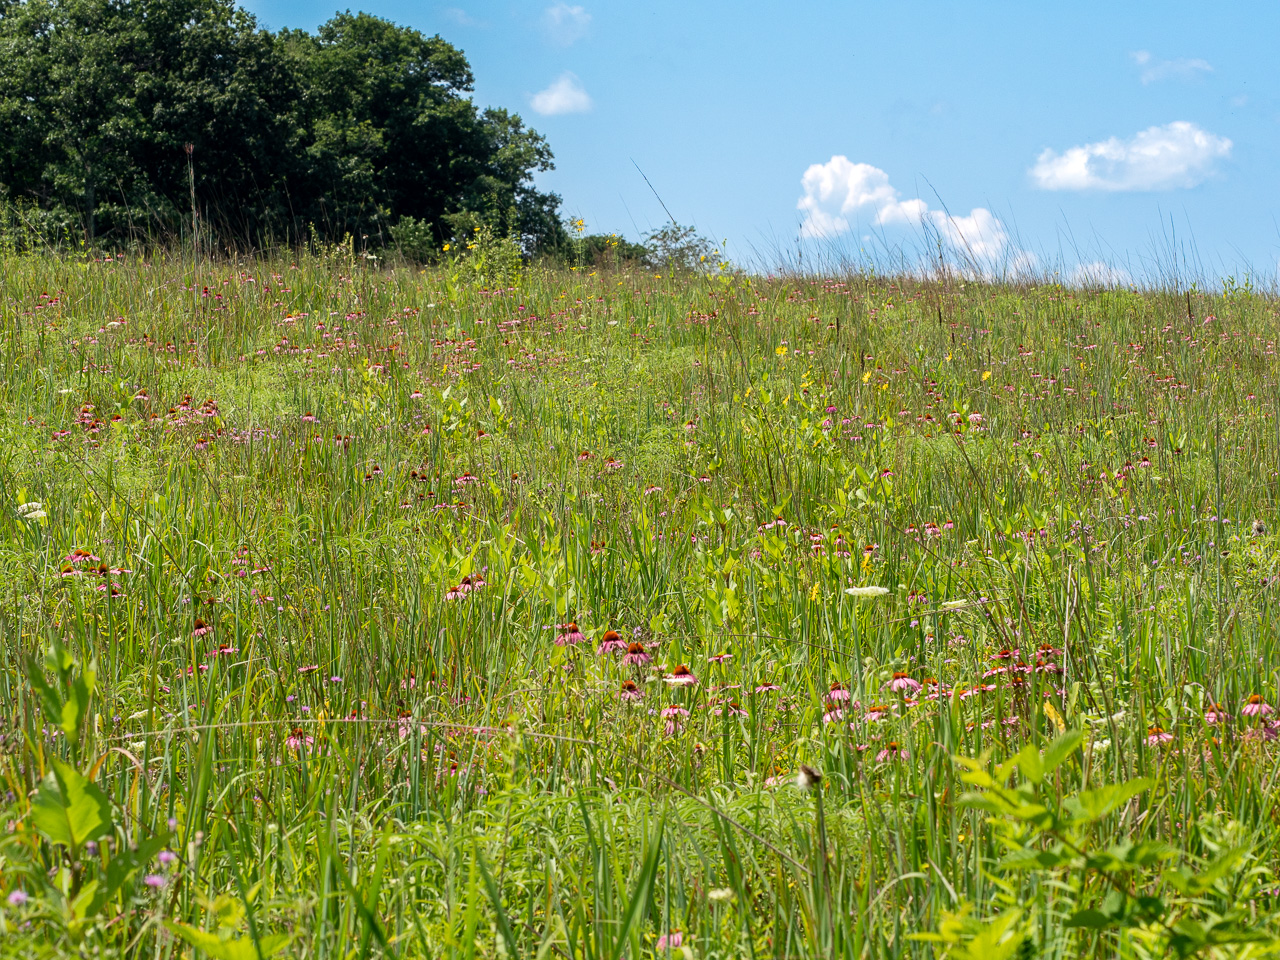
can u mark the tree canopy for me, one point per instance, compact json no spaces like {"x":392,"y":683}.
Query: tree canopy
{"x":118,"y":118}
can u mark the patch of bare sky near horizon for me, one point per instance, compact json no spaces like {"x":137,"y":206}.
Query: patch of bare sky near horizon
{"x":1183,"y":68}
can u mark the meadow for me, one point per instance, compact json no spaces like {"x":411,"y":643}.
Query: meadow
{"x":355,"y":610}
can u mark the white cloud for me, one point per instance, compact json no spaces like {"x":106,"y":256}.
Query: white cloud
{"x":565,"y":95}
{"x":566,"y":24}
{"x":1097,"y":273}
{"x":460,"y":17}
{"x":1183,"y":68}
{"x":1179,"y":154}
{"x":839,"y":190}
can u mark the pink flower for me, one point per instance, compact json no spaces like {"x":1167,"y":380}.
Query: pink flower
{"x":1157,"y":736}
{"x":635,"y":655}
{"x":681,"y":677}
{"x":838,"y":692}
{"x":673,"y":712}
{"x":1255,"y":706}
{"x":610,"y":642}
{"x":720,"y":658}
{"x":669,"y":941}
{"x":902,"y":683}
{"x":767,"y":688}
{"x":569,"y":635}
{"x":631,"y":692}
{"x":892,"y":751}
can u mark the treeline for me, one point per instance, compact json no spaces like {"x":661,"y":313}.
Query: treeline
{"x":133,"y":120}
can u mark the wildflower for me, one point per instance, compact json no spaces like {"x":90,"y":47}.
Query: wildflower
{"x":720,"y":658}
{"x":669,"y":941}
{"x":17,"y":898}
{"x":611,"y":642}
{"x":167,"y":858}
{"x":767,"y":688}
{"x":877,"y":712}
{"x":1214,"y":714}
{"x":901,"y":682}
{"x":1255,"y":706}
{"x":892,"y":751}
{"x":838,"y":691}
{"x":720,"y":895}
{"x":630,"y":691}
{"x":675,"y":711}
{"x":309,"y":668}
{"x":1157,"y":736}
{"x":79,"y":556}
{"x":297,"y":739}
{"x":455,"y":593}
{"x":807,"y":778}
{"x":867,"y":591}
{"x":569,"y":635}
{"x":681,"y":677}
{"x":635,"y":654}
{"x":200,"y":628}
{"x":832,"y":712}
{"x":732,"y":708}
{"x":32,"y":511}
{"x":154,"y":880}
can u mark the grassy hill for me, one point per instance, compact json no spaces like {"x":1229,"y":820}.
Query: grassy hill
{"x":360,"y":611}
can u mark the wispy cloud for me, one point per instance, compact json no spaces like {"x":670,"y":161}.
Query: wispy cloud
{"x":459,"y":17}
{"x":565,"y":24}
{"x":1098,"y":273}
{"x":839,"y":190}
{"x":1177,"y":155}
{"x":1183,"y":68}
{"x":565,"y":95}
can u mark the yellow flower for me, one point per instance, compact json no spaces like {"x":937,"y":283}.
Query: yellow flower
{"x":446,"y":247}
{"x":986,"y":375}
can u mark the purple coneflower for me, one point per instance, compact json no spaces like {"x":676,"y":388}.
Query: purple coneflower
{"x":1214,"y":714}
{"x":892,"y":751}
{"x":1157,"y":736}
{"x":838,"y":692}
{"x":903,"y":683}
{"x":635,"y":655}
{"x":681,"y":676}
{"x":200,"y":628}
{"x":767,"y":688}
{"x":1255,"y":706}
{"x":720,"y":658}
{"x":630,"y":691}
{"x":569,"y":635}
{"x":611,"y":642}
{"x":669,"y":941}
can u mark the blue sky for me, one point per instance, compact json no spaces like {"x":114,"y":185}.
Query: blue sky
{"x":1094,"y":136}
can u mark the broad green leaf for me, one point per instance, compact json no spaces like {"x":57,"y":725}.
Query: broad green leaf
{"x":1061,"y":748}
{"x":1089,"y":919}
{"x":241,"y":948}
{"x":69,"y":808}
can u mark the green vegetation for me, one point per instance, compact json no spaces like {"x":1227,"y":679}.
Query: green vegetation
{"x":355,"y":610}
{"x":136,"y":121}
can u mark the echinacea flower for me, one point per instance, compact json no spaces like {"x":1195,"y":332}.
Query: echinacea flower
{"x":767,"y":688}
{"x":675,"y":711}
{"x":720,"y":658}
{"x":1157,"y":736}
{"x":1255,"y":706}
{"x":832,"y":712}
{"x":297,"y":739}
{"x":611,"y":642}
{"x":569,"y":635}
{"x":200,"y":628}
{"x":635,"y":655}
{"x":838,"y":691}
{"x":669,"y":941}
{"x":903,"y":683}
{"x":892,"y":751}
{"x":732,"y":708}
{"x":630,"y":691}
{"x":681,"y":676}
{"x":1214,"y":714}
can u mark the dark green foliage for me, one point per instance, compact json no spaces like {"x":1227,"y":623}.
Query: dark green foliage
{"x":348,"y":130}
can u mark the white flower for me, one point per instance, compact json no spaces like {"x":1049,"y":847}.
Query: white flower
{"x":866,"y":591}
{"x":948,"y":604}
{"x":32,"y":511}
{"x":720,"y":895}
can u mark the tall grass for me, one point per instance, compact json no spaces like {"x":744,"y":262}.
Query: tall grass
{"x":294,"y":472}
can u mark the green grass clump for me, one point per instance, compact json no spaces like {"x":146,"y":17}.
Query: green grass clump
{"x":306,"y":568}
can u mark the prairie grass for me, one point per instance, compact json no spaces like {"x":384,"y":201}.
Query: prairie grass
{"x":335,"y":521}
